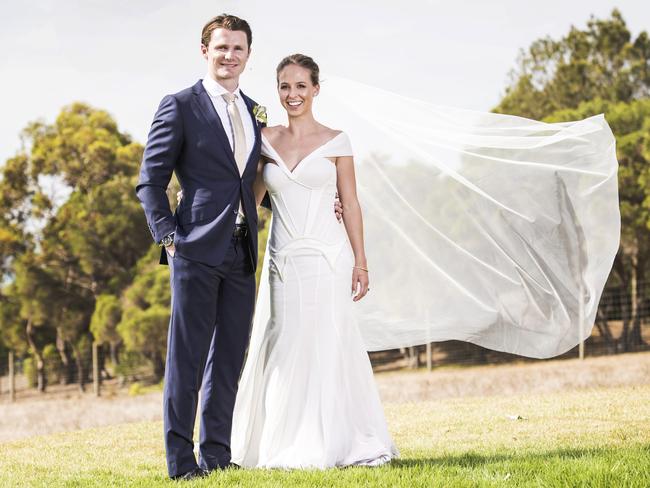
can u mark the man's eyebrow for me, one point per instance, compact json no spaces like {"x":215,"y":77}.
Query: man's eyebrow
{"x":225,"y":44}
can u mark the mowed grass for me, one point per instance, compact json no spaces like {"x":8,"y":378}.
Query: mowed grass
{"x":583,"y":438}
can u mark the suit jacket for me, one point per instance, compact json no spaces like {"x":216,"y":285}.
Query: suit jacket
{"x":187,"y":137}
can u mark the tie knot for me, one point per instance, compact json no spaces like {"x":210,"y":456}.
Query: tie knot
{"x":229,"y":97}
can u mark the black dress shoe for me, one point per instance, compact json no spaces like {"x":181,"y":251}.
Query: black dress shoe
{"x":190,"y":475}
{"x":221,"y":467}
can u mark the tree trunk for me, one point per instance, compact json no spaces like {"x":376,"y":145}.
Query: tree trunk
{"x":636,"y":337}
{"x":632,"y":328}
{"x":158,"y":367}
{"x":626,"y":336}
{"x":96,"y":373}
{"x":480,"y":355}
{"x":12,"y":377}
{"x":81,"y":371}
{"x":40,"y":363}
{"x":623,"y":339}
{"x":114,"y":346}
{"x":621,"y":270}
{"x":635,"y":333}
{"x":68,"y":370}
{"x":103,"y":359}
{"x":603,"y":328}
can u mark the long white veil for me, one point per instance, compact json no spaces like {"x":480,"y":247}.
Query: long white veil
{"x":492,"y":229}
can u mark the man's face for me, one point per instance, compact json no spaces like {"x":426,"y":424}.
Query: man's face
{"x":226,"y":54}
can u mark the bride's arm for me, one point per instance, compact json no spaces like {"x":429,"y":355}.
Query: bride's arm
{"x":353,"y":221}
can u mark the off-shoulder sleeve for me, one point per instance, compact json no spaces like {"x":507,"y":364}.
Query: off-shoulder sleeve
{"x":339,"y":146}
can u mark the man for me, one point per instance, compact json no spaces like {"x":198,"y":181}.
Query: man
{"x":210,"y":136}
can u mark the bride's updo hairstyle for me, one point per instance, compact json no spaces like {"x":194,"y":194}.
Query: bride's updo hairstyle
{"x":302,"y":61}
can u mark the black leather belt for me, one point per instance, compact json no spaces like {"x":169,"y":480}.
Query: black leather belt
{"x":241,"y":230}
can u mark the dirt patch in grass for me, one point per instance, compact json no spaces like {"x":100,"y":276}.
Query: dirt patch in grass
{"x":515,"y":378}
{"x":74,"y":411}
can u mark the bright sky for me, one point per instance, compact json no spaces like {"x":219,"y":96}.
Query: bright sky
{"x":124,"y":55}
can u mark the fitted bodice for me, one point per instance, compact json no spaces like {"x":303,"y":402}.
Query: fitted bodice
{"x":303,"y":202}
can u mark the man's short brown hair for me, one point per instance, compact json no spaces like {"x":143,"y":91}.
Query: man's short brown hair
{"x":225,"y":21}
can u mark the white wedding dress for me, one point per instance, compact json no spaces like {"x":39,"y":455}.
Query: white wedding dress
{"x":307,"y":397}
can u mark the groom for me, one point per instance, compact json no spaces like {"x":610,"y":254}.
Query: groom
{"x":208,"y":134}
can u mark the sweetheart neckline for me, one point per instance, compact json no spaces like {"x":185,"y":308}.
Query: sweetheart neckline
{"x":299,"y":163}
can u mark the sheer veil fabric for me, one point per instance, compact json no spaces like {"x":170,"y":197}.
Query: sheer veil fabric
{"x":480,"y":227}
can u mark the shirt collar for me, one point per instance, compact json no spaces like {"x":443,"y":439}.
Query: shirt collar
{"x":214,"y":89}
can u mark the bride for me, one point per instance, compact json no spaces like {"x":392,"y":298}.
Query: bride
{"x":486,"y":228}
{"x":307,"y":397}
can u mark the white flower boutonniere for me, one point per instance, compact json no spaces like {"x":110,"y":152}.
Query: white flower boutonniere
{"x":259,"y":111}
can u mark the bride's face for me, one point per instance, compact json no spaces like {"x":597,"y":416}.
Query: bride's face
{"x":296,"y":90}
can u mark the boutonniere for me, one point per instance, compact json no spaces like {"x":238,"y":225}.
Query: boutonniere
{"x":259,"y":111}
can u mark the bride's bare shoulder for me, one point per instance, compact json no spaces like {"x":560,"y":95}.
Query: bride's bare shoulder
{"x":272,"y":132}
{"x":329,"y":133}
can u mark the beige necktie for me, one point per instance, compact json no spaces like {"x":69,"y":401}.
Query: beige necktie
{"x":238,"y":139}
{"x":237,"y":127}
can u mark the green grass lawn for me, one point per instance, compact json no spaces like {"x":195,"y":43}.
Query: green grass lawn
{"x":586,"y":438}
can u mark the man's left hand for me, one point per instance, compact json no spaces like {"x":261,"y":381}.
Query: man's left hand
{"x":338,"y":209}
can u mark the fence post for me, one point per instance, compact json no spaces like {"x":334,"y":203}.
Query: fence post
{"x":12,"y":378}
{"x":581,"y":318}
{"x":96,"y":386}
{"x":429,"y":351}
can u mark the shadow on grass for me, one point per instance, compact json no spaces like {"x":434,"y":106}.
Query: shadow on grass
{"x":474,"y":460}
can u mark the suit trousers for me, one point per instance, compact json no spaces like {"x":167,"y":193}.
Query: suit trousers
{"x":211,"y":314}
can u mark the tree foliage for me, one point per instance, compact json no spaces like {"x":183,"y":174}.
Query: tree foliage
{"x":599,"y":62}
{"x":146,"y":305}
{"x":63,"y":249}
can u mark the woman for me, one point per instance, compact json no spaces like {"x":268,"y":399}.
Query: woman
{"x":486,"y":228}
{"x":307,"y":398}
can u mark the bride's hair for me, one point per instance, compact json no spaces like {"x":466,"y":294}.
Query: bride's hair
{"x":302,"y":61}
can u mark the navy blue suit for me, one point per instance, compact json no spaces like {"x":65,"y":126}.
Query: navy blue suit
{"x":212,"y":272}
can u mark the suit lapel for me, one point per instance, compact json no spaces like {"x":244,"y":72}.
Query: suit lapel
{"x":256,"y":128}
{"x":210,"y":115}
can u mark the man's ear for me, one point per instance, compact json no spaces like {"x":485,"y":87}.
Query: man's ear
{"x":204,"y":51}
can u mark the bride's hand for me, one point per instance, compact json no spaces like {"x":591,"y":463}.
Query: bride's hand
{"x":360,"y":283}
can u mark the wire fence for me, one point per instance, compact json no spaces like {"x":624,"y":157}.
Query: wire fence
{"x":622,"y":325}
